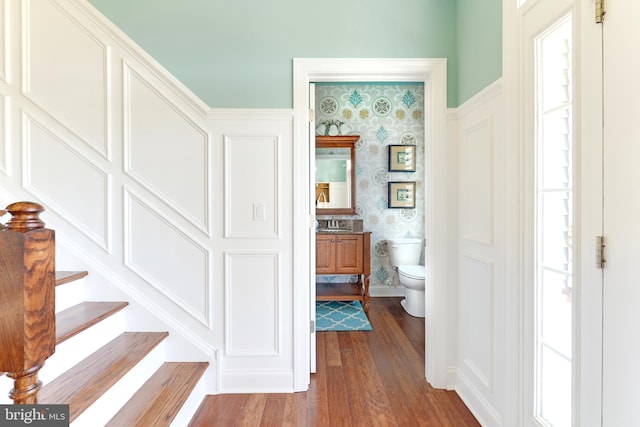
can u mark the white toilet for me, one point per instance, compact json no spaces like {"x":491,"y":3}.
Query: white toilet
{"x":405,"y":256}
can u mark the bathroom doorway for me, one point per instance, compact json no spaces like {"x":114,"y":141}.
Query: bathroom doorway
{"x":431,"y":73}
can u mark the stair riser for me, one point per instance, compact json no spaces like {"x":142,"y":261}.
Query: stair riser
{"x":102,"y":410}
{"x":69,"y":294}
{"x":192,"y":404}
{"x":78,"y":347}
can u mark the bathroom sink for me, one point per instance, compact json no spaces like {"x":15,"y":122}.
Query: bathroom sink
{"x":332,"y":230}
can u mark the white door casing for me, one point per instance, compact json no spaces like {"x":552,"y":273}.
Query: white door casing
{"x":431,"y":72}
{"x":312,"y":230}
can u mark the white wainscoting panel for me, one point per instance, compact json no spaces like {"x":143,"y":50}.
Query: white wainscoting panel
{"x":165,"y":150}
{"x":252,"y":312}
{"x":168,"y":259}
{"x":482,"y":269}
{"x":477,"y":168}
{"x":251,"y":186}
{"x":78,"y":189}
{"x":477,"y":331}
{"x":85,"y":109}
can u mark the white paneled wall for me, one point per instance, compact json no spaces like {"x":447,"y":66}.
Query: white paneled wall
{"x":183,"y":211}
{"x":255,"y":177}
{"x":481,"y":260}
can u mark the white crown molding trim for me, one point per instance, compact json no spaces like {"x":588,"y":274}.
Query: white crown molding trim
{"x":131,"y":48}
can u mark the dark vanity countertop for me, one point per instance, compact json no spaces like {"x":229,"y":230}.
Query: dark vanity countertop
{"x":322,"y":231}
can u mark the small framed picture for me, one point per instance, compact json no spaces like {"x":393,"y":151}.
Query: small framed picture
{"x":402,"y":158}
{"x":402,"y":195}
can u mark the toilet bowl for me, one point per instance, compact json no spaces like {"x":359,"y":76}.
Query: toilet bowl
{"x":404,"y":255}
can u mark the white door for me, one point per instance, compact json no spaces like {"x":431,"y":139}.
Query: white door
{"x":621,"y":309}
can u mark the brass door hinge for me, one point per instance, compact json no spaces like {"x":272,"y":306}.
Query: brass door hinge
{"x":600,"y":261}
{"x":600,"y":11}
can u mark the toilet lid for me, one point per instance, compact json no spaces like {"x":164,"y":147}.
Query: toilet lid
{"x":412,"y":271}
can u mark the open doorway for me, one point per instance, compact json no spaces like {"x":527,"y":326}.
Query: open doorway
{"x":438,"y":219}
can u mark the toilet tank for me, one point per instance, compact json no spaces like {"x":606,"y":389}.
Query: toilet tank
{"x":404,"y":251}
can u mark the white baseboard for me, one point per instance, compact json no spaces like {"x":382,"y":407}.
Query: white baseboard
{"x":386,"y":291}
{"x":479,"y":406}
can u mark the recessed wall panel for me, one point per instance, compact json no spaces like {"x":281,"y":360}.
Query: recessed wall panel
{"x":74,"y":92}
{"x":167,"y":152}
{"x":478,"y":336}
{"x":251,"y":286}
{"x":477,"y":146}
{"x":251,"y":186}
{"x":169,"y":260}
{"x":64,"y":178}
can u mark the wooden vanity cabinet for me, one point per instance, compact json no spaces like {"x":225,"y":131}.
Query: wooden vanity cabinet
{"x":344,"y":254}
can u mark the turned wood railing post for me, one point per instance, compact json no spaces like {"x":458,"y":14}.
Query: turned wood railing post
{"x":27,"y":296}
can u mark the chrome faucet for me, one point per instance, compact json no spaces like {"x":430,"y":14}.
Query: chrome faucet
{"x":332,"y":223}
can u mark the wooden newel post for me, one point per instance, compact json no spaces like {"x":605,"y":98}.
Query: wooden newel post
{"x":27,"y":299}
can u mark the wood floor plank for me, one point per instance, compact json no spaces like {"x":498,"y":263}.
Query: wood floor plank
{"x":253,"y":411}
{"x":332,"y":349}
{"x":380,"y":381}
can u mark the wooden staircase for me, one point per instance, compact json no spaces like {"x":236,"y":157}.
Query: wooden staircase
{"x":99,"y":387}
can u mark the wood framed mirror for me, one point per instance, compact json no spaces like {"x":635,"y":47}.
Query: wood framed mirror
{"x":336,"y":175}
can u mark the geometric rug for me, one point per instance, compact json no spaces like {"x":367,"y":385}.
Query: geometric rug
{"x":341,"y":316}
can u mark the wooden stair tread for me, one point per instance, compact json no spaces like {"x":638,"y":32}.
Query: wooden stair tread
{"x":159,"y":400}
{"x":83,"y":384}
{"x":82,"y":316}
{"x":63,"y":277}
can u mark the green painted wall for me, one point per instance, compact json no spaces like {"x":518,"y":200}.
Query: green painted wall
{"x":238,"y":53}
{"x":479,"y":33}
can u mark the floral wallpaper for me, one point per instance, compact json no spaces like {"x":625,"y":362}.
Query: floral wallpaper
{"x":383,"y":115}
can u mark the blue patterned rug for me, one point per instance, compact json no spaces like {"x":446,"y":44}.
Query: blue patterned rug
{"x":341,"y":316}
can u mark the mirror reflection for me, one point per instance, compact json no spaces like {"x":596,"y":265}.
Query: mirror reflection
{"x":335,"y":174}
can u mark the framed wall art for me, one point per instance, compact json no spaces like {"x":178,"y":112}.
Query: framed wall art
{"x":402,"y":158}
{"x":402,"y":195}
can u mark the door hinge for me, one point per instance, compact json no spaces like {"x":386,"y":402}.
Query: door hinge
{"x":312,"y":115}
{"x":600,"y":261}
{"x":600,"y":11}
{"x":313,"y":326}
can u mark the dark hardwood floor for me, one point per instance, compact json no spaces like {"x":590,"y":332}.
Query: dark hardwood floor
{"x":373,"y":378}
